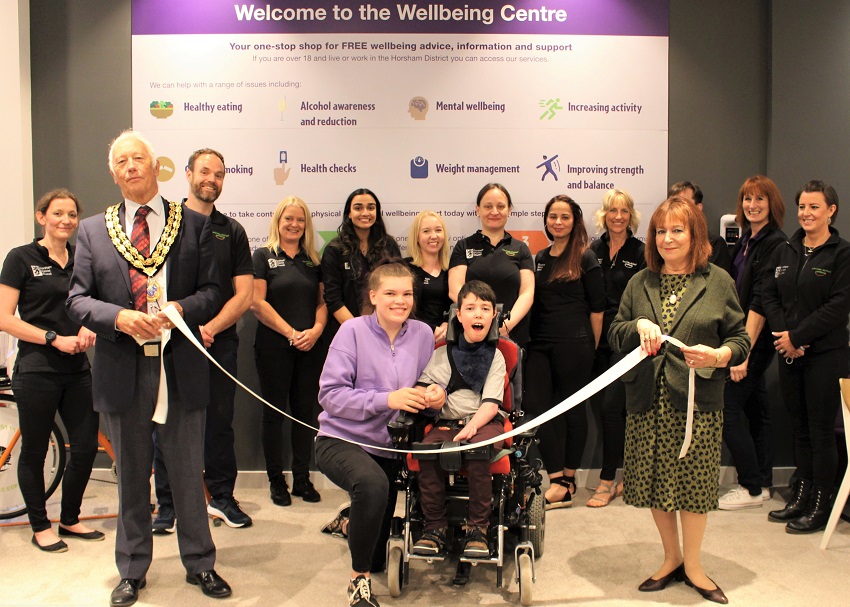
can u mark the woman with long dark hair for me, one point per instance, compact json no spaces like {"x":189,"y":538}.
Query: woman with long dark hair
{"x":569,"y":301}
{"x":361,"y":243}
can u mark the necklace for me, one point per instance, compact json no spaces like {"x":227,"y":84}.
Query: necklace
{"x":807,"y":250}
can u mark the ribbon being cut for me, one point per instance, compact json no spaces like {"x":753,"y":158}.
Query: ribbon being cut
{"x":627,"y":363}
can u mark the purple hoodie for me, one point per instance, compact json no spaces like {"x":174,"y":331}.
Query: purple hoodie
{"x":361,"y":369}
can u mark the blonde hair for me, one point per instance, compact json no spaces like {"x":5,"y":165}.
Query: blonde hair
{"x":609,"y":199}
{"x":415,"y":250}
{"x":307,"y":241}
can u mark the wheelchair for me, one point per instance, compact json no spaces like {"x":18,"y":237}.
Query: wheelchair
{"x":518,"y":514}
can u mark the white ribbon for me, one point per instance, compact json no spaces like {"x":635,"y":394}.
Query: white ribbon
{"x":623,"y":366}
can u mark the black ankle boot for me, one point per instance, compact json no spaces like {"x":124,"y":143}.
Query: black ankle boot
{"x":816,"y":515}
{"x":796,"y":506}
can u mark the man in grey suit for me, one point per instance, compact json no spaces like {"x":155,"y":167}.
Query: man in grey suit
{"x":132,"y":261}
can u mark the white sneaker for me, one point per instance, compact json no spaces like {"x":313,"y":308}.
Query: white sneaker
{"x":765,"y":493}
{"x":738,"y":498}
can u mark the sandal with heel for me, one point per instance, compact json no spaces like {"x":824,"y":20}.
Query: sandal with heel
{"x":565,"y":481}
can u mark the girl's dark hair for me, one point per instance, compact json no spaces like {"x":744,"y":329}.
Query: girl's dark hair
{"x":567,"y":265}
{"x":378,"y":238}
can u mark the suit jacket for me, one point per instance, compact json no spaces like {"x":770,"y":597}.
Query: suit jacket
{"x":708,"y":314}
{"x":100,"y":288}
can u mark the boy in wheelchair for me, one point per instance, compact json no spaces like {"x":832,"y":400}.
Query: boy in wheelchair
{"x":472,"y":371}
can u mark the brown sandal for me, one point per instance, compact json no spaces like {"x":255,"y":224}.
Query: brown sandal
{"x":604,"y":494}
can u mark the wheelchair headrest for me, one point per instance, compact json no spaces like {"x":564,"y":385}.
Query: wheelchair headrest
{"x":454,"y":327}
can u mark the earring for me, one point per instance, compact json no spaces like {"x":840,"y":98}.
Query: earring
{"x":829,"y":221}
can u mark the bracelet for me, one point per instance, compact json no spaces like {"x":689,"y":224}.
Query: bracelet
{"x":292,"y":337}
{"x":717,"y":358}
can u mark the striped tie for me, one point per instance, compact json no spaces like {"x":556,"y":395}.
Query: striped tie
{"x":141,"y":239}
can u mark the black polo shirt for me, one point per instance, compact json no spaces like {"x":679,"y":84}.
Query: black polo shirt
{"x":292,"y":290}
{"x":43,"y":286}
{"x":431,"y":294}
{"x":499,"y":267}
{"x":232,"y":256}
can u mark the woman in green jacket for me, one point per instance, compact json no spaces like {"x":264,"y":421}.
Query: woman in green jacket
{"x":682,"y":295}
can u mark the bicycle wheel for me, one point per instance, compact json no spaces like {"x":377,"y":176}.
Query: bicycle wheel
{"x":11,"y":501}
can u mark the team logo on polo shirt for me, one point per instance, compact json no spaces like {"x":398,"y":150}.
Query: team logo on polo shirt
{"x":42,"y":270}
{"x":470,"y":253}
{"x":510,"y":253}
{"x":277,"y":263}
{"x":220,"y":235}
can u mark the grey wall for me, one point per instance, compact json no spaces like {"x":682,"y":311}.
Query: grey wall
{"x":756,"y":86}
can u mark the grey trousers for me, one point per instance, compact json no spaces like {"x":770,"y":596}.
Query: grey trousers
{"x":181,"y":439}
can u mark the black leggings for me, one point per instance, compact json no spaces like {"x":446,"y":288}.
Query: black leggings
{"x":39,"y":397}
{"x":554,"y":371}
{"x":290,"y":377}
{"x":810,"y":391}
{"x":611,"y":402}
{"x":369,"y":481}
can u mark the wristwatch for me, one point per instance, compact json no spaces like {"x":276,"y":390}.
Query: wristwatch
{"x":50,"y":337}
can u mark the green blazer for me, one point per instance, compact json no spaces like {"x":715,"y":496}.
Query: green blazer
{"x":709,"y":314}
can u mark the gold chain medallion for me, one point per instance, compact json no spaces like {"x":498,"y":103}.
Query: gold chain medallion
{"x":148,"y":265}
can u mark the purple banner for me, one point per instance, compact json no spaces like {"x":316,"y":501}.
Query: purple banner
{"x":560,"y":17}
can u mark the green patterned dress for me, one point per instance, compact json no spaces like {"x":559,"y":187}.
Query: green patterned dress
{"x":654,"y":475}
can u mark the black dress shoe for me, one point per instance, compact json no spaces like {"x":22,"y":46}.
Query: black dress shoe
{"x":211,"y":584}
{"x":715,"y":596}
{"x":126,"y":592}
{"x":653,"y":585}
{"x":56,"y":547}
{"x":89,"y":536}
{"x":303,"y":488}
{"x":796,"y":506}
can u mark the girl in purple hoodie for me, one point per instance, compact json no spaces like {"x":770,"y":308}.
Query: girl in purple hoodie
{"x":369,"y":375}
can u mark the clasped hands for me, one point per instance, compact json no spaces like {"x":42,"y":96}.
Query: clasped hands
{"x":145,"y":326}
{"x":414,"y":400}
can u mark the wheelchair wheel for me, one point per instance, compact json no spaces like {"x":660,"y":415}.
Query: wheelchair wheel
{"x":537,"y":520}
{"x":526,"y":582}
{"x":11,"y":501}
{"x":394,"y":571}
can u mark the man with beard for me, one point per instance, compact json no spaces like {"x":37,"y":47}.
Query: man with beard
{"x":205,"y":174}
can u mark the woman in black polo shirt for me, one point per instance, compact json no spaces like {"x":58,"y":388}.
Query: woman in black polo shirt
{"x":51,"y":371}
{"x":493,"y":256}
{"x":569,"y":301}
{"x":362,"y":242}
{"x":288,"y":349}
{"x":428,"y":248}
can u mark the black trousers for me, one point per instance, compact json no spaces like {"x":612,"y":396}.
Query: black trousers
{"x":554,"y":371}
{"x":746,"y":424}
{"x":369,"y":480}
{"x":611,"y":403}
{"x":289,"y":377}
{"x":810,"y":390}
{"x":40,"y":396}
{"x":219,"y":440}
